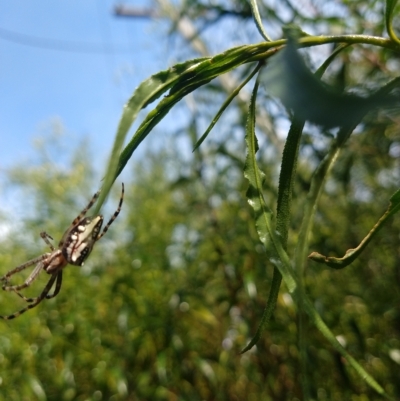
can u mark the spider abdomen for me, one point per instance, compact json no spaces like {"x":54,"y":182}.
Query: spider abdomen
{"x":80,"y":240}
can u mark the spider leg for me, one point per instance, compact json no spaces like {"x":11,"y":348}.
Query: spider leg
{"x":44,"y":262}
{"x":48,"y":296}
{"x":31,"y":262}
{"x":28,"y":281}
{"x":36,"y":301}
{"x":116,"y":213}
{"x":84,"y":211}
{"x":46,"y":238}
{"x":58,"y":286}
{"x":24,"y":297}
{"x":19,"y":268}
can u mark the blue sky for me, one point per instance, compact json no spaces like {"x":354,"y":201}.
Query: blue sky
{"x":84,"y":90}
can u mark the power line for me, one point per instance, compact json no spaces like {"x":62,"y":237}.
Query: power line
{"x":60,"y":45}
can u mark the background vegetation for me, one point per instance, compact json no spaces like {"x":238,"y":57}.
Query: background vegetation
{"x":177,"y":288}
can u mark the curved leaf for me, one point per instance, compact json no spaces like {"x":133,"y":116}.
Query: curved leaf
{"x":188,"y":76}
{"x":257,"y":20}
{"x":352,"y":254}
{"x":264,"y":227}
{"x":390,"y":6}
{"x":324,"y":329}
{"x":198,"y":73}
{"x":225,"y":105}
{"x":148,"y":91}
{"x":288,"y":78}
{"x":263,"y":215}
{"x":278,"y":256}
{"x":286,"y":182}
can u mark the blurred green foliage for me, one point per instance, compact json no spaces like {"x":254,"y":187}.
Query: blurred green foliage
{"x":173,"y":292}
{"x":177,"y":287}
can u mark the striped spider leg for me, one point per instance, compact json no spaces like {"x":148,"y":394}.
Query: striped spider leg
{"x":75,"y":246}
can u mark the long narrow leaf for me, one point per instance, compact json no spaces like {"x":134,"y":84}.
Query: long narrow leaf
{"x":301,"y":91}
{"x":263,"y":215}
{"x":188,"y":76}
{"x":286,"y":180}
{"x":148,"y":91}
{"x":278,"y":256}
{"x":323,"y":328}
{"x":352,"y":254}
{"x":268,"y":311}
{"x":256,"y":200}
{"x":152,"y":119}
{"x":257,"y":20}
{"x":188,"y":80}
{"x":225,"y":105}
{"x":317,"y":185}
{"x":390,"y":6}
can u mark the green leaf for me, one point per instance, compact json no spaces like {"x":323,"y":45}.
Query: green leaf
{"x":277,"y":254}
{"x":181,"y":80}
{"x":352,"y":254}
{"x":324,"y":329}
{"x":390,"y":6}
{"x":288,"y":78}
{"x":263,"y":215}
{"x":286,"y":182}
{"x":263,"y":222}
{"x":148,"y":91}
{"x":268,"y":311}
{"x":225,"y":105}
{"x":185,"y":79}
{"x":257,"y":20}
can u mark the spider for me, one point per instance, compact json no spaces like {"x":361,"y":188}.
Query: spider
{"x":74,"y":248}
